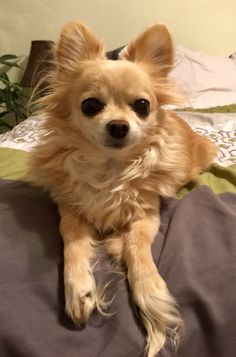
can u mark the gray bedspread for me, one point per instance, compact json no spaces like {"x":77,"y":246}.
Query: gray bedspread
{"x":195,"y":252}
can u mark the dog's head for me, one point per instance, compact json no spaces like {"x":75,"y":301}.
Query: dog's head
{"x":112,"y":104}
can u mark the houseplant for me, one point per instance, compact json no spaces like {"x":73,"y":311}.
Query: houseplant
{"x":12,"y":96}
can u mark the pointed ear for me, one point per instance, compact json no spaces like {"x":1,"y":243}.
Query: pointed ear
{"x":154,"y":46}
{"x":77,"y":43}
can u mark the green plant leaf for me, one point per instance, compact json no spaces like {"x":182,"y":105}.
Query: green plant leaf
{"x":7,"y":57}
{"x":13,"y":107}
{"x":2,"y":114}
{"x":12,"y":97}
{"x":18,"y":86}
{"x":10,"y":64}
{"x":10,"y":60}
{"x":4,"y":77}
{"x":17,"y":89}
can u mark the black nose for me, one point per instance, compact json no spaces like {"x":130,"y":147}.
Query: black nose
{"x":118,"y":129}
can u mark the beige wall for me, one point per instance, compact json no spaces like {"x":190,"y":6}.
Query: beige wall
{"x":203,"y":25}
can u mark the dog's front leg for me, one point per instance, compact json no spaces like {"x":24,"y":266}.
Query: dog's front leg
{"x":156,"y":305}
{"x":80,"y":289}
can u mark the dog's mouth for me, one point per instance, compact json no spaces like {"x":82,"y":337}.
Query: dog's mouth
{"x":116,"y":143}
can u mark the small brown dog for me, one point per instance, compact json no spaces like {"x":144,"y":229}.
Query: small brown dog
{"x":110,"y":152}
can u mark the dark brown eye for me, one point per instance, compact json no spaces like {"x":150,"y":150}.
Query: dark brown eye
{"x":91,"y":106}
{"x":141,"y":107}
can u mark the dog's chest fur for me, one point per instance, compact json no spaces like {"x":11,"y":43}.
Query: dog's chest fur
{"x":109,"y":194}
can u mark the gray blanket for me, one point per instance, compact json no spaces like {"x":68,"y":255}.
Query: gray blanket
{"x":195,"y":252}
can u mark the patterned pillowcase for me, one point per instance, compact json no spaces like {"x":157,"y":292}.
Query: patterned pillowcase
{"x":23,"y":136}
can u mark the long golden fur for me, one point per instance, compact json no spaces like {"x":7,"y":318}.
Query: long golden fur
{"x":107,"y":182}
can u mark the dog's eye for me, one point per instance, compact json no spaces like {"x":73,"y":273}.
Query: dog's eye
{"x":91,"y":106}
{"x":141,"y":107}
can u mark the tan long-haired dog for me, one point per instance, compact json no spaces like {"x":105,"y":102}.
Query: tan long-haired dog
{"x":111,"y":151}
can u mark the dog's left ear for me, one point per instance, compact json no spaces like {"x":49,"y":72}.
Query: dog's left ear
{"x":154,"y":46}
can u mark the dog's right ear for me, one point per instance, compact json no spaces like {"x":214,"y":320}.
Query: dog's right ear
{"x":77,"y":43}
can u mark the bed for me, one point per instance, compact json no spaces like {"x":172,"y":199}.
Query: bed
{"x":195,"y":249}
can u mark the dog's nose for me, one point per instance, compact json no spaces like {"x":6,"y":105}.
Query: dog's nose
{"x":118,"y":129}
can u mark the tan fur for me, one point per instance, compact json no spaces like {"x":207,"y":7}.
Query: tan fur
{"x":115,"y":191}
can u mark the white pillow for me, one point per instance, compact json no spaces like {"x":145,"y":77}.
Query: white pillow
{"x":204,"y":80}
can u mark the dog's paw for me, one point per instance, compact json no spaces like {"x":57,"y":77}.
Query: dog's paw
{"x":158,"y":310}
{"x":80,"y":295}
